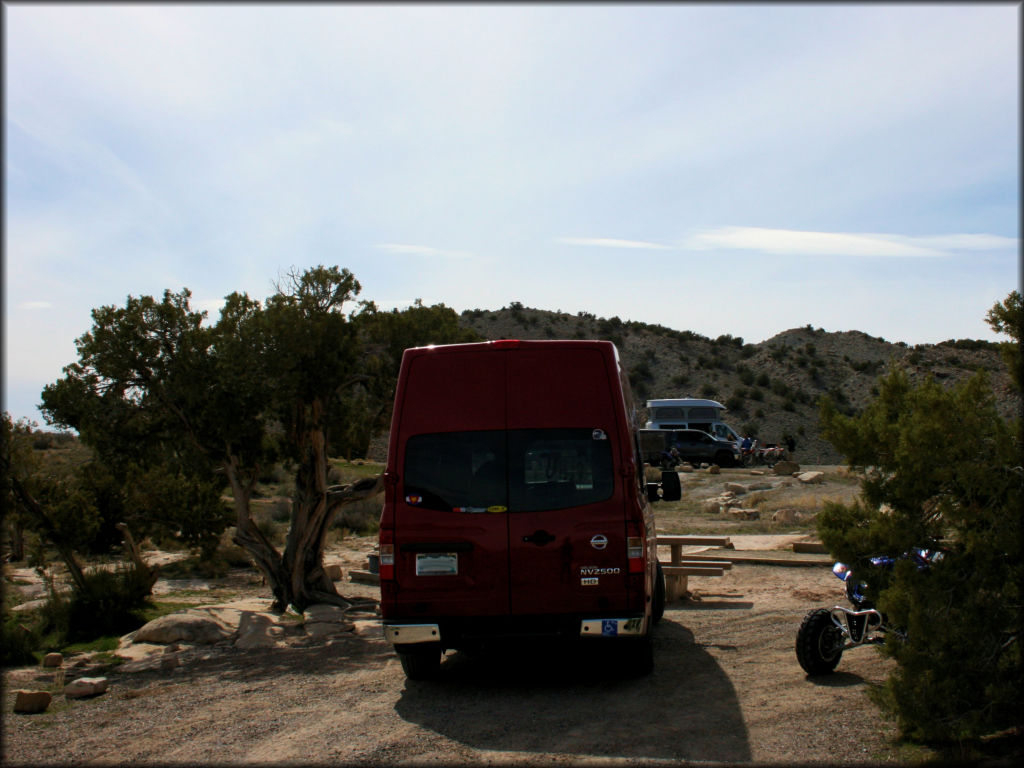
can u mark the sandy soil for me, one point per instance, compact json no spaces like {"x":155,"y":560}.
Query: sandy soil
{"x":726,"y":688}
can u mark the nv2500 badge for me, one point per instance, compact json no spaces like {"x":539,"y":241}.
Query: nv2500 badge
{"x":589,"y":570}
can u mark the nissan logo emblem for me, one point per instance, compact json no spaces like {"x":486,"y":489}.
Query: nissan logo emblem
{"x":599,"y":541}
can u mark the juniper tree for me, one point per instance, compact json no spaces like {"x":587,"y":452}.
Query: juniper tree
{"x":941,"y":467}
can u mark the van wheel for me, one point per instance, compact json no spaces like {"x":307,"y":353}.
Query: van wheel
{"x":658,"y":606}
{"x":421,"y":663}
{"x":725,"y":460}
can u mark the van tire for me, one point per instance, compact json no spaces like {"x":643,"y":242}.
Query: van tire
{"x":420,"y":663}
{"x":671,"y":489}
{"x":658,"y":603}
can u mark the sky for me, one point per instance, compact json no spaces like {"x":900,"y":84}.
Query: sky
{"x":735,"y":169}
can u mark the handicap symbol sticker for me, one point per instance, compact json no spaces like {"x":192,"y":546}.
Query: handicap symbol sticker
{"x":609,"y":627}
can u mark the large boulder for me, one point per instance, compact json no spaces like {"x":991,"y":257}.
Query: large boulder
{"x":183,"y":627}
{"x":711,"y":507}
{"x":811,"y":477}
{"x":322,"y":620}
{"x":258,"y":630}
{"x":786,"y":516}
{"x":786,"y":468}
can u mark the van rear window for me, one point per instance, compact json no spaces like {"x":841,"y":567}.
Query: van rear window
{"x":525,"y":470}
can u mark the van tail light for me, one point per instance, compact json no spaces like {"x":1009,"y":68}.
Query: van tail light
{"x":387,"y":554}
{"x":635,"y":550}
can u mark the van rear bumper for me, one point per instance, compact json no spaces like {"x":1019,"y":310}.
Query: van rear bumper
{"x":452,"y":633}
{"x":412,"y":633}
{"x":613,"y":627}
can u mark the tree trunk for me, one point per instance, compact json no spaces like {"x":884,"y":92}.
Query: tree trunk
{"x":248,"y":536}
{"x":315,"y":507}
{"x":303,"y":554}
{"x":297,"y":577}
{"x":17,"y":540}
{"x":50,"y":530}
{"x":147,"y":574}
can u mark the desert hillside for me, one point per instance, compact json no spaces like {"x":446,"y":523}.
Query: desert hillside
{"x":771,"y":388}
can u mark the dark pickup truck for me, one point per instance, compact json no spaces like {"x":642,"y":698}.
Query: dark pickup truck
{"x":693,"y":445}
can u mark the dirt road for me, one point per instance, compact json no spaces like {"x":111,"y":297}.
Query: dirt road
{"x":726,"y":687}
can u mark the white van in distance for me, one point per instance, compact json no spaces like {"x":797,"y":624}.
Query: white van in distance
{"x":691,"y":413}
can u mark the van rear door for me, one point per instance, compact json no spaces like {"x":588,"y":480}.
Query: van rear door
{"x":566,"y":520}
{"x":450,"y":521}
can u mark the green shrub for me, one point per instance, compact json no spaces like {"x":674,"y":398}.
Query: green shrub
{"x":19,"y":640}
{"x":281,"y":511}
{"x":271,"y":531}
{"x":944,"y":467}
{"x":735,"y":402}
{"x":110,"y":603}
{"x":362,"y":517}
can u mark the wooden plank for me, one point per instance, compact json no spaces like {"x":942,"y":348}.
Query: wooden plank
{"x":690,"y":570}
{"x":725,"y":565}
{"x":364,"y":577}
{"x":694,"y":540}
{"x":716,"y":560}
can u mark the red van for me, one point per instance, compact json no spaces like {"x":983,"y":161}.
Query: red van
{"x":515,"y":502}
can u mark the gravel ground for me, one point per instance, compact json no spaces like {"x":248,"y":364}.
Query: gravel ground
{"x":726,"y":688}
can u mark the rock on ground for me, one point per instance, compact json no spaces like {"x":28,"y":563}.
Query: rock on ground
{"x":31,"y":702}
{"x":85,"y":686}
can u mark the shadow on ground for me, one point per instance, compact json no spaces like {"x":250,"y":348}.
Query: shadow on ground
{"x":576,"y":702}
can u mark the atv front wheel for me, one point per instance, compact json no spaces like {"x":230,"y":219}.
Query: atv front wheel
{"x":819,"y":643}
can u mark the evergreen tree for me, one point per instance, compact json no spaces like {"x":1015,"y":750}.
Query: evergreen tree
{"x":941,"y":467}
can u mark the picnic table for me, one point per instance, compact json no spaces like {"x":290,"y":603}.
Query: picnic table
{"x":680,"y":567}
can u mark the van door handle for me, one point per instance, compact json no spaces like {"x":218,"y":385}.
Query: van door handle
{"x":540,"y":538}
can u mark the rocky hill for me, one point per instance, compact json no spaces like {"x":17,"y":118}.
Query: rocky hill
{"x":771,"y":388}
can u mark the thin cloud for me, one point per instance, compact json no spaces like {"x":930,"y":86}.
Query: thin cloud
{"x":610,"y":242}
{"x":424,"y":250}
{"x":801,"y":243}
{"x":35,"y":305}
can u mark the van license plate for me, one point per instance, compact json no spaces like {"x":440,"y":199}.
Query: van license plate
{"x":437,"y":564}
